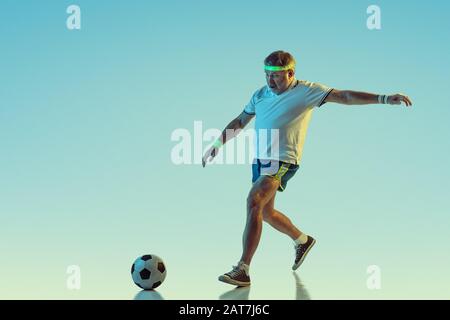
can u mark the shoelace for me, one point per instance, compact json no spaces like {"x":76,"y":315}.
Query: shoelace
{"x":298,"y":249}
{"x":236,"y":271}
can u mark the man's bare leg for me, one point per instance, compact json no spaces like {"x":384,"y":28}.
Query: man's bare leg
{"x":279,"y":221}
{"x":262,"y":191}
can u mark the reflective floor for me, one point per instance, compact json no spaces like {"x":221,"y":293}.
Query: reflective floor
{"x":236,"y":293}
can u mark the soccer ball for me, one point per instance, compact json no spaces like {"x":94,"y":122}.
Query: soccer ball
{"x":148,"y":271}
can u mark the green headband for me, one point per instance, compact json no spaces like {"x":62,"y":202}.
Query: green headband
{"x":277,"y":68}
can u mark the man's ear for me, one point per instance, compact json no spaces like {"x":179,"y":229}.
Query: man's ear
{"x":291,"y":73}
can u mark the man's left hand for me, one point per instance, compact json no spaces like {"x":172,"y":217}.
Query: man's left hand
{"x":398,"y":98}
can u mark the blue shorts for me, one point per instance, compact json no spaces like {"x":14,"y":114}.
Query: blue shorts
{"x":281,"y":171}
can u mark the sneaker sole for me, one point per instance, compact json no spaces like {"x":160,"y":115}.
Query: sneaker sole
{"x":228,"y":280}
{"x":295,"y":266}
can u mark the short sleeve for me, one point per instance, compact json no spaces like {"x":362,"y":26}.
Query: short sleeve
{"x":250,"y":107}
{"x":316,"y":94}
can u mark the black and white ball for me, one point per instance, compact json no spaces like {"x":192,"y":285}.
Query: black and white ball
{"x":148,"y":272}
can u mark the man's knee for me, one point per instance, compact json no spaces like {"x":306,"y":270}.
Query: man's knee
{"x":254,"y":204}
{"x":260,"y":195}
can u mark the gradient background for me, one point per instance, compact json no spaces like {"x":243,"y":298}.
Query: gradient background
{"x":86,"y":176}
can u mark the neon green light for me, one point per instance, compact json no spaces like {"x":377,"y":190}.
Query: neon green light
{"x":278,"y":68}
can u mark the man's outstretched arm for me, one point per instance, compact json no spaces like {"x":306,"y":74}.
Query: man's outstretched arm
{"x":349,"y":97}
{"x":230,"y":131}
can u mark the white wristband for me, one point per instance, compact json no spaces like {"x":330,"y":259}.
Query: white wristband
{"x":380,"y":99}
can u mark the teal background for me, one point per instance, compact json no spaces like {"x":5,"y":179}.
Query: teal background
{"x":86,"y":176}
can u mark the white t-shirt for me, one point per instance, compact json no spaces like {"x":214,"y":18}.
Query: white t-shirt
{"x":282,"y":120}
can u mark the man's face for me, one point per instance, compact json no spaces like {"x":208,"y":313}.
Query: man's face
{"x":279,"y":81}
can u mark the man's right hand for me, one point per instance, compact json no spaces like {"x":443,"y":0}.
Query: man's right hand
{"x":209,"y":155}
{"x":234,"y":126}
